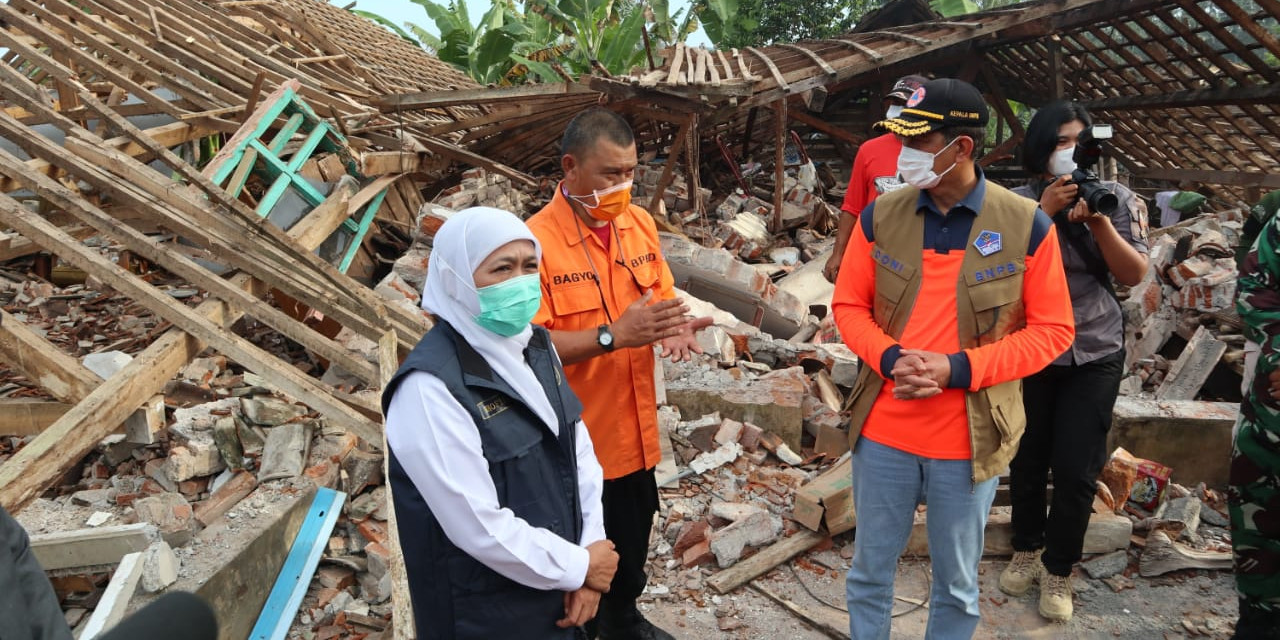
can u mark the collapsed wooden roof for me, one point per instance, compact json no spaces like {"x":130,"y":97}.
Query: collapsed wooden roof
{"x":1189,"y":84}
{"x":77,"y":161}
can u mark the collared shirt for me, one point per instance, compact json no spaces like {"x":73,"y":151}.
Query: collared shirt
{"x":585,"y":285}
{"x":1099,"y":321}
{"x":938,"y":427}
{"x":875,"y":172}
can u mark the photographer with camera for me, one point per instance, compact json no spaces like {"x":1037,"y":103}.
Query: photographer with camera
{"x":1102,"y":235}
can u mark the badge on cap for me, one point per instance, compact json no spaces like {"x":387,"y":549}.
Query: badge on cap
{"x":916,"y":97}
{"x":988,"y":242}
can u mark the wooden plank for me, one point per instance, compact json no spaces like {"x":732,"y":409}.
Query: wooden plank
{"x":779,"y":161}
{"x":819,"y":124}
{"x":319,"y":223}
{"x":370,"y":191}
{"x":283,"y":376}
{"x":377,"y":163}
{"x":42,"y":461}
{"x":677,"y":62}
{"x":27,"y":416}
{"x":817,"y":60}
{"x":472,"y":97}
{"x":238,"y":590}
{"x":830,"y":623}
{"x":728,"y":68}
{"x":43,"y":363}
{"x":668,"y":167}
{"x":764,"y":561}
{"x":115,"y":600}
{"x":401,"y":604}
{"x":89,"y":62}
{"x":1266,"y":94}
{"x":1193,"y":366}
{"x":458,"y":154}
{"x":91,"y":547}
{"x":365,"y":308}
{"x":773,"y":69}
{"x":1162,"y":555}
{"x":169,"y":135}
{"x":178,"y":263}
{"x":874,"y":55}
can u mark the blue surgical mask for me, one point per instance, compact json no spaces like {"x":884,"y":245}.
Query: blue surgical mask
{"x":508,"y":307}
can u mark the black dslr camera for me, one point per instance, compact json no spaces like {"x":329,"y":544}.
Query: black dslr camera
{"x":1088,"y":151}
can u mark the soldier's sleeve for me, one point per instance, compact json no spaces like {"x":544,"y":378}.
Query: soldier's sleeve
{"x":1258,"y":301}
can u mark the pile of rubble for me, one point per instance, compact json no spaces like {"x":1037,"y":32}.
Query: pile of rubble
{"x":1189,"y":291}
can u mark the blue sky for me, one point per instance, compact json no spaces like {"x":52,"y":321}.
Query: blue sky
{"x":402,"y":11}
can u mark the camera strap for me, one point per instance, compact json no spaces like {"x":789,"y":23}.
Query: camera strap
{"x":1094,"y":263}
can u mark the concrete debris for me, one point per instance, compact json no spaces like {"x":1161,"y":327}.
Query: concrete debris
{"x":721,"y":456}
{"x":285,"y":453}
{"x":159,"y":567}
{"x":269,"y":412}
{"x":106,"y":363}
{"x":1106,"y":565}
{"x":752,"y":531}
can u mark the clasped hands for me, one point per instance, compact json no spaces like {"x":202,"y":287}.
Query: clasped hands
{"x":580,"y":606}
{"x":920,"y":374}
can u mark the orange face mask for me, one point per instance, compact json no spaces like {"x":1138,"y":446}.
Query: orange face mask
{"x":606,"y":204}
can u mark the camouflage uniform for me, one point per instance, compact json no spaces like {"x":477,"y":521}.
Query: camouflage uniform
{"x":1254,"y":493}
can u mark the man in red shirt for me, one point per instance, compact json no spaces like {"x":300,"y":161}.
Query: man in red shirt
{"x":875,"y":171}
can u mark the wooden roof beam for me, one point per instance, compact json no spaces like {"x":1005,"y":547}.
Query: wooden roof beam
{"x":1192,"y":98}
{"x":1230,"y":178}
{"x":437,"y":99}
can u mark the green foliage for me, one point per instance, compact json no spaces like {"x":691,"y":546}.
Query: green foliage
{"x":513,"y":42}
{"x":951,"y":8}
{"x":743,"y":23}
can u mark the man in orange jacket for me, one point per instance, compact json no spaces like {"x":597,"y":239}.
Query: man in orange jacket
{"x":607,"y":297}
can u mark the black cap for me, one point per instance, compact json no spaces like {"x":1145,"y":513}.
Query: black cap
{"x":945,"y":102}
{"x":905,"y":86}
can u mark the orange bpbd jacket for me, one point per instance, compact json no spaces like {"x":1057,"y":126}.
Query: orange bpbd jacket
{"x":617,"y":388}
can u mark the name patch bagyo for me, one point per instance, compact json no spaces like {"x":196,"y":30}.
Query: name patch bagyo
{"x":988,"y":242}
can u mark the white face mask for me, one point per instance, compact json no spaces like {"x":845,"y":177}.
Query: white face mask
{"x":894,"y":111}
{"x":1061,"y":162}
{"x":916,"y":167}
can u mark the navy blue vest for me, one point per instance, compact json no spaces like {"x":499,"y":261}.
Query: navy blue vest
{"x":535,"y":473}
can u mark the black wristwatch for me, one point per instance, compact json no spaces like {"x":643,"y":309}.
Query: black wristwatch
{"x":604,"y":338}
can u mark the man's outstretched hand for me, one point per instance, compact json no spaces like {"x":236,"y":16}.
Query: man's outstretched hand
{"x":684,"y":344}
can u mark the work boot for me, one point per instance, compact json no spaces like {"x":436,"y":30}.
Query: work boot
{"x":1021,"y":573}
{"x":1256,"y":623}
{"x":1055,"y":597}
{"x":628,"y":624}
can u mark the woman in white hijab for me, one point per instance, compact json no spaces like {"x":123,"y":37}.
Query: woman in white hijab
{"x":496,"y":484}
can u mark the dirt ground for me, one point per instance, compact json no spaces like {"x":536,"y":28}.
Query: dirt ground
{"x":1184,"y":604}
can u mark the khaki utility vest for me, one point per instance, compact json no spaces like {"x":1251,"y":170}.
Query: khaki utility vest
{"x":988,"y":301}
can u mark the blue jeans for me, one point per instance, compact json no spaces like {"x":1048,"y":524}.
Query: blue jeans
{"x":887,"y":486}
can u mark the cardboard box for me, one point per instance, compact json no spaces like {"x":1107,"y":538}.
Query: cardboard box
{"x":828,"y":500}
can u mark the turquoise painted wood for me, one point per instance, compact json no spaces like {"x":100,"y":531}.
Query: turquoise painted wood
{"x":366,"y":221}
{"x":299,"y":567}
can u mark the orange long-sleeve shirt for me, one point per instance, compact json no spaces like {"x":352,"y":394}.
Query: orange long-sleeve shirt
{"x":617,"y":389}
{"x":938,"y":427}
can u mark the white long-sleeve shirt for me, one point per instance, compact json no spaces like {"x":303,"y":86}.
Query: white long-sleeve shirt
{"x":438,"y":445}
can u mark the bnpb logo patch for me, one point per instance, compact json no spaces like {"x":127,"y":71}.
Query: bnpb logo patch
{"x":916,"y":97}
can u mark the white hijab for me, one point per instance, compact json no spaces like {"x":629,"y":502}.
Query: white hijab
{"x":464,"y":241}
